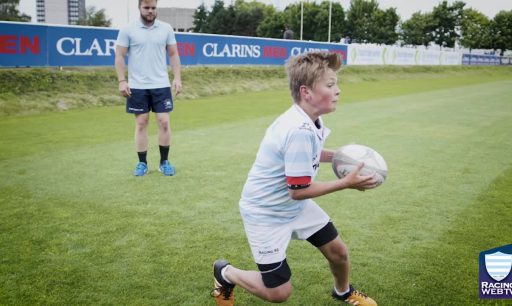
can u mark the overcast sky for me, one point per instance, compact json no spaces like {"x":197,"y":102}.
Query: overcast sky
{"x":120,"y":11}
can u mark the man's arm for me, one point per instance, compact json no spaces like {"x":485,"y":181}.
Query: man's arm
{"x":124,"y":88}
{"x":176,"y":67}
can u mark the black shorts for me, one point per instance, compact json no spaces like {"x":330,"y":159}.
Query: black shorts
{"x":157,"y":100}
{"x":276,"y":274}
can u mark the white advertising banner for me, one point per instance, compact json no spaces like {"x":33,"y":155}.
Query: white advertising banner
{"x":390,"y":55}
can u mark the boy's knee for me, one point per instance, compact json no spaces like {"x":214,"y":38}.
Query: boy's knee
{"x":337,"y":252}
{"x":279,"y":296}
{"x":276,"y":278}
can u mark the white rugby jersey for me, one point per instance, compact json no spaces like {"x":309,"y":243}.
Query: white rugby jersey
{"x":292,"y":146}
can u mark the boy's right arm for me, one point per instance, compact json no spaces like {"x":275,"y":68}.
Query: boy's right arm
{"x":352,"y":181}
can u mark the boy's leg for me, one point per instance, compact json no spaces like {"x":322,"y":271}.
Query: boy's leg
{"x":273,"y":280}
{"x":336,"y":254}
{"x":253,"y":282}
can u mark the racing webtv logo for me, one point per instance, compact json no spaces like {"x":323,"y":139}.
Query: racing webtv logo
{"x":495,"y":277}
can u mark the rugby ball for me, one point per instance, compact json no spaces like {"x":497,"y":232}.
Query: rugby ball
{"x":346,"y":159}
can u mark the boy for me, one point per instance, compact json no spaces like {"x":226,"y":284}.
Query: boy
{"x":276,"y":203}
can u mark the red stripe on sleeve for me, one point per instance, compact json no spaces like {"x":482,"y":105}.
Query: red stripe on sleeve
{"x":298,"y":182}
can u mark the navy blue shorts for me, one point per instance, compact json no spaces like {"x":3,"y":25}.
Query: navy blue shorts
{"x":157,"y":100}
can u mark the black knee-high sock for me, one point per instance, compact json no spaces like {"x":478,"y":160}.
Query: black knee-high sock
{"x":164,"y":153}
{"x":142,"y":157}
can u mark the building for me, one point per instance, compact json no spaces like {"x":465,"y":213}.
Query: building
{"x":181,"y":19}
{"x":60,"y":11}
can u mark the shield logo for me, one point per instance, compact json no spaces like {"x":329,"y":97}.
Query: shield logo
{"x":498,"y":265}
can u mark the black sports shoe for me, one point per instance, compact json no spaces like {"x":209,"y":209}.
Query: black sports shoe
{"x":222,"y":290}
{"x":354,"y":297}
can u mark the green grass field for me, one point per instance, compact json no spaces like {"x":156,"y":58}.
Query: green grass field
{"x":76,"y":228}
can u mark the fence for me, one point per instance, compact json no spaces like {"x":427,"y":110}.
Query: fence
{"x":36,"y":45}
{"x":23,"y":44}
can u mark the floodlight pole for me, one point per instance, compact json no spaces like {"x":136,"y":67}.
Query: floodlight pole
{"x":330,"y":17}
{"x":301,"y":17}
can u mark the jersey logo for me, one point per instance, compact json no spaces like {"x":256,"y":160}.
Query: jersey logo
{"x":306,"y":126}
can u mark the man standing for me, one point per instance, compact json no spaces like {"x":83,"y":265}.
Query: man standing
{"x":146,"y":41}
{"x":288,"y":33}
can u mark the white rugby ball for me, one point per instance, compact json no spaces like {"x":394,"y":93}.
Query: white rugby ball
{"x":346,"y":159}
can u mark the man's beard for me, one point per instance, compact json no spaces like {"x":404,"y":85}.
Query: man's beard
{"x":146,"y":19}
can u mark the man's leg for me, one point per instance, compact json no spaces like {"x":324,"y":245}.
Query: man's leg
{"x":141,"y":132}
{"x":164,"y":141}
{"x":141,"y":143}
{"x":164,"y":129}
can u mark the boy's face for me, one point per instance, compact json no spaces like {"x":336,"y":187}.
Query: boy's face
{"x":325,"y":93}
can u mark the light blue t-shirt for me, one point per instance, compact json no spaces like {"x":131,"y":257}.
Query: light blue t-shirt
{"x":147,"y":53}
{"x":291,"y":147}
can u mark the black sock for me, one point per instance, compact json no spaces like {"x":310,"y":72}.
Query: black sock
{"x":142,"y":157}
{"x":164,"y":153}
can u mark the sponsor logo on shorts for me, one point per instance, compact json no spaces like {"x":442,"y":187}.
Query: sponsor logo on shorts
{"x":135,"y":109}
{"x":168,"y":104}
{"x":495,"y":276}
{"x":268,"y":251}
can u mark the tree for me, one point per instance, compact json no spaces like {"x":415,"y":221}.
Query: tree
{"x":272,"y":26}
{"x":248,"y":16}
{"x":383,"y":29}
{"x":475,"y":30}
{"x":315,"y":20}
{"x":9,"y":11}
{"x":321,"y":31}
{"x":201,"y":19}
{"x":95,"y":18}
{"x":367,"y":23}
{"x":501,"y":31}
{"x":360,"y":19}
{"x":447,"y":19}
{"x":218,"y":19}
{"x":418,"y":30}
{"x":310,"y":19}
{"x":291,"y":15}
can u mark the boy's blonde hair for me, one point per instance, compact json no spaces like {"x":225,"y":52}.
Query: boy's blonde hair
{"x":306,"y":69}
